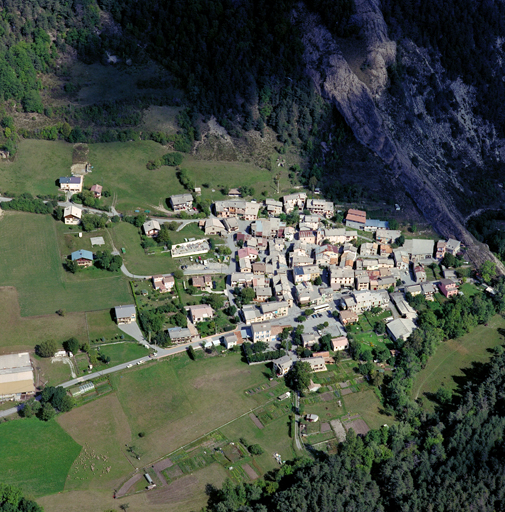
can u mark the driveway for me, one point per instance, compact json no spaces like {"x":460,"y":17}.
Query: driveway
{"x":134,"y":331}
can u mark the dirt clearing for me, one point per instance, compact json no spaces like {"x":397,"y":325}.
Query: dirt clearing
{"x":250,"y":471}
{"x":128,"y":485}
{"x":359,"y":426}
{"x":256,"y":421}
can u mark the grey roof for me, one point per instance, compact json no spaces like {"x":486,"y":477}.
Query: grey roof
{"x":124,"y":311}
{"x":76,"y":255}
{"x":419,"y":246}
{"x":179,"y":332}
{"x":181,"y":199}
{"x":401,"y":328}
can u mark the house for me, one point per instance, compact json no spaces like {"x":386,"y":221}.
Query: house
{"x":231,"y":224}
{"x":214,"y":227}
{"x":263,"y":293}
{"x":420,"y":274}
{"x":339,"y":236}
{"x":163,"y":283}
{"x":125,"y":314}
{"x":179,"y":335}
{"x":401,"y":259}
{"x":72,"y":215}
{"x":308,"y":340}
{"x":259,"y":268}
{"x":200,"y":313}
{"x":251,"y":211}
{"x":202,"y":282}
{"x":368,"y":249}
{"x":341,"y":276}
{"x":300,"y":260}
{"x":266,"y":228}
{"x":441,"y":248}
{"x":72,"y":184}
{"x":306,"y":273}
{"x":82,"y":258}
{"x":273,"y":207}
{"x":293,"y":201}
{"x":363,"y":282}
{"x":419,"y":249}
{"x":401,"y":328}
{"x":448,"y":288}
{"x":428,"y":290}
{"x":261,"y":332}
{"x":326,"y":255}
{"x":307,"y":237}
{"x":181,"y":202}
{"x":97,"y":191}
{"x":16,"y":376}
{"x":311,"y":418}
{"x":282,"y":365}
{"x":151,"y":228}
{"x":234,"y":193}
{"x":230,"y":340}
{"x":355,"y":218}
{"x":385,"y":250}
{"x":320,"y":207}
{"x":373,"y":225}
{"x":340,"y":343}
{"x":309,"y":222}
{"x":244,"y":265}
{"x":247,"y":253}
{"x":348,"y":317}
{"x":274,"y":309}
{"x":414,"y":289}
{"x":360,"y":301}
{"x":453,"y":246}
{"x":317,"y":364}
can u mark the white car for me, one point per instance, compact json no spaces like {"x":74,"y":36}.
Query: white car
{"x":141,"y":362}
{"x":129,"y":365}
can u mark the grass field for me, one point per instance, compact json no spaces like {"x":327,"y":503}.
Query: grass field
{"x":176,"y":401}
{"x":121,"y":168}
{"x":23,"y":333}
{"x":447,"y":366}
{"x":30,"y":261}
{"x":69,"y":240}
{"x":102,"y":325}
{"x":367,"y":405}
{"x":122,"y":352}
{"x":51,"y":373}
{"x":36,"y":455}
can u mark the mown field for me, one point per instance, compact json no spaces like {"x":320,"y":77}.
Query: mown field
{"x":449,"y":365}
{"x":36,"y":455}
{"x":30,"y":261}
{"x":23,"y":333}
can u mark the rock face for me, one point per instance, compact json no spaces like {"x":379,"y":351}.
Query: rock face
{"x":381,"y":51}
{"x":337,"y":83}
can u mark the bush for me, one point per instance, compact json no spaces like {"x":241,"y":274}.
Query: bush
{"x":47,"y":348}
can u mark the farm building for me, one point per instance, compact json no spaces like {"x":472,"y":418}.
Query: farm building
{"x":16,"y":376}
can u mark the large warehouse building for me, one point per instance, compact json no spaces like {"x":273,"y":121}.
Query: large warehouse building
{"x":16,"y":376}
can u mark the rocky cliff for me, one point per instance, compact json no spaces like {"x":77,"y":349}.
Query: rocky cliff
{"x":357,"y":102}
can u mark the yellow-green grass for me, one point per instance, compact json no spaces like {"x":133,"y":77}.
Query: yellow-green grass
{"x":70,"y":241}
{"x":36,"y":455}
{"x":51,"y":372}
{"x":23,"y":333}
{"x":174,"y":402}
{"x":101,"y":324}
{"x":453,"y":356}
{"x":186,"y":493}
{"x":121,"y":167}
{"x":30,"y":261}
{"x":101,"y":427}
{"x":368,"y":406}
{"x":127,"y":236}
{"x":122,"y":352}
{"x":273,"y":438}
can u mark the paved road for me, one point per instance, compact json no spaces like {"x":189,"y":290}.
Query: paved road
{"x":298,"y":443}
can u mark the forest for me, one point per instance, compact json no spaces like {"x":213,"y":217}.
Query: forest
{"x":453,"y":461}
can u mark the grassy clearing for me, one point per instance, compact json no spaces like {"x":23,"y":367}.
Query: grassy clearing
{"x":367,"y":405}
{"x":123,"y":352}
{"x":447,"y":367}
{"x":36,"y":455}
{"x":30,"y":261}
{"x":18,"y":333}
{"x":176,"y":401}
{"x":52,"y":373}
{"x":102,"y":325}
{"x":102,"y":429}
{"x":69,"y":240}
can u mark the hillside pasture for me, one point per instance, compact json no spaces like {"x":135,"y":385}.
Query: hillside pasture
{"x":36,"y":455}
{"x":453,"y":359}
{"x":30,"y":261}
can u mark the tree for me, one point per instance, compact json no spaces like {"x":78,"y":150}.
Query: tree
{"x":393,"y":224}
{"x":191,"y":353}
{"x":488,"y":271}
{"x":71,"y":345}
{"x":72,"y":266}
{"x":247,"y":295}
{"x":178,"y":274}
{"x":47,"y":348}
{"x":318,"y":281}
{"x":298,"y":377}
{"x":443,"y":396}
{"x":256,"y":449}
{"x":163,"y":237}
{"x":47,"y":412}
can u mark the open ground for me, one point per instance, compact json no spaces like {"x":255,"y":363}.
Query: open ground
{"x":447,"y":367}
{"x":30,"y":261}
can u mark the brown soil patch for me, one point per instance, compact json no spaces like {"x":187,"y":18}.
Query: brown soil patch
{"x":346,"y":391}
{"x":255,"y":420}
{"x":345,"y":384}
{"x":128,"y":485}
{"x":325,"y":427}
{"x":326,"y":397}
{"x":163,"y":464}
{"x":359,"y":426}
{"x":250,"y":471}
{"x":179,"y":490}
